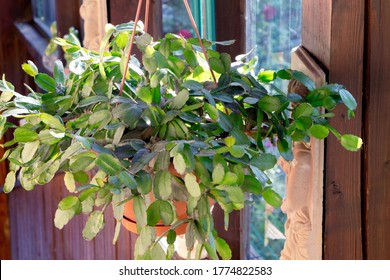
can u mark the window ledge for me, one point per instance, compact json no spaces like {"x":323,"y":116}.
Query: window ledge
{"x":36,"y":44}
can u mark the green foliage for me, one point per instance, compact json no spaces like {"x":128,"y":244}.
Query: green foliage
{"x":169,"y":117}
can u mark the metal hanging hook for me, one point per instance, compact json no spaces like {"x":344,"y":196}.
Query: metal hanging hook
{"x":130,"y":46}
{"x":147,"y":15}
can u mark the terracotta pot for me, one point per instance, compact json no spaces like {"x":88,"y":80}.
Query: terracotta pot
{"x":129,"y":218}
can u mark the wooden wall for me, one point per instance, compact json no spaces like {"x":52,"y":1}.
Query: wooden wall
{"x":5,"y":250}
{"x":10,"y":46}
{"x":351,"y":39}
{"x":340,"y":51}
{"x":31,"y":221}
{"x":377,"y":131}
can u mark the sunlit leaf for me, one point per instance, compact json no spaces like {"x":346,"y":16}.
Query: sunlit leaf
{"x":30,"y":68}
{"x":108,"y":164}
{"x":223,"y":248}
{"x":351,"y":142}
{"x":94,"y":225}
{"x":192,"y":185}
{"x":319,"y":131}
{"x":272,"y":198}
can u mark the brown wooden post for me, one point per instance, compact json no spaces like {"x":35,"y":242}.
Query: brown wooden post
{"x":67,"y":15}
{"x":230,"y":25}
{"x":5,"y":251}
{"x":333,"y":32}
{"x":232,"y":30}
{"x":377,"y":131}
{"x":11,"y":50}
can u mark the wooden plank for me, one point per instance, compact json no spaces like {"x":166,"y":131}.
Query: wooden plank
{"x":32,"y":216}
{"x":12,"y":53}
{"x":225,"y":30}
{"x":233,"y":29}
{"x":377,"y":125}
{"x":5,"y":251}
{"x":316,"y":29}
{"x":121,"y":11}
{"x":234,"y":233}
{"x":67,"y":15}
{"x":340,"y":50}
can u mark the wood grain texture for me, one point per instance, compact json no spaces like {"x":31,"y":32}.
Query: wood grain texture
{"x":237,"y":234}
{"x":121,"y":11}
{"x":67,"y":15}
{"x":316,"y":29}
{"x":340,"y":50}
{"x":12,"y":52}
{"x":5,"y":249}
{"x":232,"y":29}
{"x":34,"y":235}
{"x":377,"y":131}
{"x":343,"y":214}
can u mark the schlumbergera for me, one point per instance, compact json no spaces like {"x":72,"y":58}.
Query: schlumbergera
{"x":173,"y":136}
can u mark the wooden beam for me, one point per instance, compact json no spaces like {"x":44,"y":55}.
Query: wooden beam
{"x":233,"y":29}
{"x":12,"y":53}
{"x":67,"y":15}
{"x":237,"y":234}
{"x":340,"y":50}
{"x":377,"y":131}
{"x":5,"y":252}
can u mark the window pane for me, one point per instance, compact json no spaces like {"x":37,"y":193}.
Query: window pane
{"x":44,"y":14}
{"x":275,"y":27}
{"x":175,"y":18}
{"x":277,"y":30}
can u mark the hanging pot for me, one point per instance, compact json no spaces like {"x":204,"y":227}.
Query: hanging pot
{"x":129,"y":218}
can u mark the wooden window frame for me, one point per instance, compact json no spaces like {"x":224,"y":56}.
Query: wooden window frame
{"x":36,"y":39}
{"x":42,"y":26}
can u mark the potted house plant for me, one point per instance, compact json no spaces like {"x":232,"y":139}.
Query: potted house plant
{"x":170,"y":136}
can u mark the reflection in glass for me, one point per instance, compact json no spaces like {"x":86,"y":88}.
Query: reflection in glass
{"x":44,"y":14}
{"x":175,"y":18}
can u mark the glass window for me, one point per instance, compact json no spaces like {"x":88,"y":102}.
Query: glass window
{"x":275,"y":28}
{"x":44,"y":14}
{"x":176,"y":20}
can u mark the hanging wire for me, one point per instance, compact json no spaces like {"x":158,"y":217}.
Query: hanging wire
{"x":199,"y":38}
{"x":146,"y":27}
{"x":147,"y":15}
{"x":130,"y":46}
